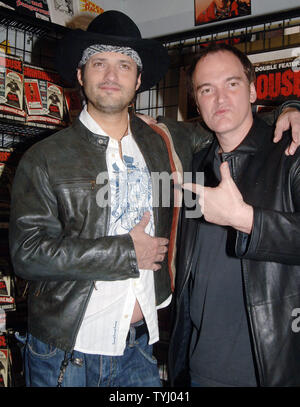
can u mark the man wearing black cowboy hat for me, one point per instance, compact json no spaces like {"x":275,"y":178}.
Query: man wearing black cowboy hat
{"x":87,"y":230}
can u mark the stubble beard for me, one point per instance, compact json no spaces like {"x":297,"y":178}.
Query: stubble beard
{"x":110,"y":105}
{"x":107,"y":108}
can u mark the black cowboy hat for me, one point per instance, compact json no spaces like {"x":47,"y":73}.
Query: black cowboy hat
{"x":112,"y":28}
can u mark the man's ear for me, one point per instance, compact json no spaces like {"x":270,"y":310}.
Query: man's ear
{"x":253,"y":94}
{"x":138,"y":82}
{"x":79,"y":77}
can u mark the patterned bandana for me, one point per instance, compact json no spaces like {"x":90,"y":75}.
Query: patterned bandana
{"x":94,"y":49}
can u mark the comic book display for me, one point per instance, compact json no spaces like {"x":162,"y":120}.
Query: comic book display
{"x":5,"y":362}
{"x":36,"y":98}
{"x":44,"y":97}
{"x":11,"y":88}
{"x":32,"y":8}
{"x":7,"y":301}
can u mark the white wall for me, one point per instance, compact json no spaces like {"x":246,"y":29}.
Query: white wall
{"x":111,"y":4}
{"x":161,"y":17}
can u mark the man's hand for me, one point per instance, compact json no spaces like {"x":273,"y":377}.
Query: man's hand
{"x":149,"y":250}
{"x":224,"y":205}
{"x":146,"y":119}
{"x":290,"y":117}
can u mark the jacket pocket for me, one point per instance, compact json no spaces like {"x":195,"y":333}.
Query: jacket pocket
{"x":76,"y":183}
{"x":77,"y":206}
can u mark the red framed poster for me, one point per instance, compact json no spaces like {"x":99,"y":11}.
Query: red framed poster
{"x":208,"y":11}
{"x":277,"y":76}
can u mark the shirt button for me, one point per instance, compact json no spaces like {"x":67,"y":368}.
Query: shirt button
{"x":126,"y":316}
{"x":100,"y":141}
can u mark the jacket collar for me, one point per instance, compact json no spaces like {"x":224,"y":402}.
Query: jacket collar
{"x":157,"y":159}
{"x":97,"y":140}
{"x":255,"y":140}
{"x":258,"y":135}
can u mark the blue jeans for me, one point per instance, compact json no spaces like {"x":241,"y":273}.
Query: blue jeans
{"x":135,"y":368}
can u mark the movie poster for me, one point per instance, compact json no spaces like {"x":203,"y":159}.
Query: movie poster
{"x":44,"y":97}
{"x":207,"y":11}
{"x":277,"y":81}
{"x":5,"y":362}
{"x":277,"y":76}
{"x":11,"y":88}
{"x":62,"y":11}
{"x":33,"y":8}
{"x":66,"y":12}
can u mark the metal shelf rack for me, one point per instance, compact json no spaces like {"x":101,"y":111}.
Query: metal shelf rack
{"x":34,"y":40}
{"x":252,"y":35}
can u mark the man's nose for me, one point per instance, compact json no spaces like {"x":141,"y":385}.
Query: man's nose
{"x":111,"y":73}
{"x":220,"y":95}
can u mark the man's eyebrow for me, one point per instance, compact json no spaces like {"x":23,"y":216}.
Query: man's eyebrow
{"x":239,"y":78}
{"x":230,"y":78}
{"x":128,"y":61}
{"x":203,"y":84}
{"x":99,"y":58}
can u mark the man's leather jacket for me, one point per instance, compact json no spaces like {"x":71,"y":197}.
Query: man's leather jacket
{"x":270,"y":258}
{"x":58,"y":232}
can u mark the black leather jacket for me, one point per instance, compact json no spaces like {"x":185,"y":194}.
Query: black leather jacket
{"x":58,"y":233}
{"x":270,"y":257}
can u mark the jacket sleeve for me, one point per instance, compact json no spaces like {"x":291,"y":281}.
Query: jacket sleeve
{"x":271,"y":117}
{"x":40,"y":250}
{"x":199,"y":136}
{"x":275,"y":235}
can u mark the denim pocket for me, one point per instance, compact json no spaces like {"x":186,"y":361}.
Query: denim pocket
{"x":39,"y":348}
{"x":42,"y":363}
{"x":146,"y":350}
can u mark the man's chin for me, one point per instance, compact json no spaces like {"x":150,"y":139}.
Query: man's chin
{"x":112,"y":109}
{"x":221,"y":126}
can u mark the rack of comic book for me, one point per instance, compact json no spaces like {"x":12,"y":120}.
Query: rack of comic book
{"x":33,"y":104}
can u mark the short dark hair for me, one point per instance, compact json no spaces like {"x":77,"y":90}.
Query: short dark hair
{"x":213,"y":48}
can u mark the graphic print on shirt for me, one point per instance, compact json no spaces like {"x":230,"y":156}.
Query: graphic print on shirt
{"x":131,"y":194}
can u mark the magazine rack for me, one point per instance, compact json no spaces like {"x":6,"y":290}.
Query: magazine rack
{"x":33,"y":40}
